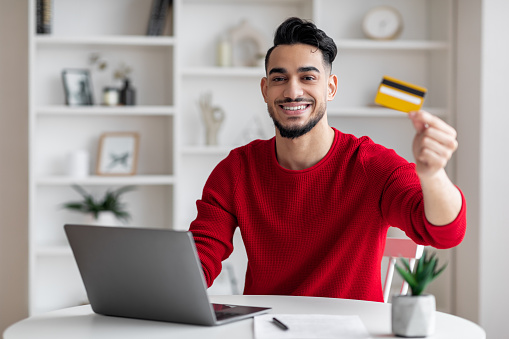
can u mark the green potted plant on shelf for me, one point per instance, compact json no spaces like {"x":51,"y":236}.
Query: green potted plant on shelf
{"x":104,"y":211}
{"x":413,"y":315}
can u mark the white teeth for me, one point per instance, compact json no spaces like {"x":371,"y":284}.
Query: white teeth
{"x":294,"y":108}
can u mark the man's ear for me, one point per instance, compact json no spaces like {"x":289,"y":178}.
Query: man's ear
{"x":263,"y":87}
{"x":332,"y":87}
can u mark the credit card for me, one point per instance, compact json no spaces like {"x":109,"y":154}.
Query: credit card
{"x":400,"y":95}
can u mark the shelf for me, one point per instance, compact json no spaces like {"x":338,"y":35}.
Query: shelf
{"x":392,"y":44}
{"x":225,"y":71}
{"x":107,"y":180}
{"x":105,"y":110}
{"x":124,"y":40}
{"x":346,"y":44}
{"x":378,"y":112}
{"x":343,"y":44}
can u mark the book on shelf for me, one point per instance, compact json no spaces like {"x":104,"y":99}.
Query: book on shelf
{"x":158,"y":15}
{"x":44,"y":13}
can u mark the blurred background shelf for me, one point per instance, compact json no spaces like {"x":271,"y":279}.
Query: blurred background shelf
{"x":43,"y":40}
{"x":105,"y":110}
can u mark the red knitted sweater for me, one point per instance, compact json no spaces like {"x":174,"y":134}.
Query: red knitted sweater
{"x":319,"y":231}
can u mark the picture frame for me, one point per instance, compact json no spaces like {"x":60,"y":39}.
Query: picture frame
{"x":77,"y":87}
{"x":117,"y":153}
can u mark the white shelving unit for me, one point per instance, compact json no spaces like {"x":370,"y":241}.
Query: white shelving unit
{"x":171,"y":72}
{"x":116,"y":30}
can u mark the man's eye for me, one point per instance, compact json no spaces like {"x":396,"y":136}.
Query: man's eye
{"x":277,"y":79}
{"x":309,"y":78}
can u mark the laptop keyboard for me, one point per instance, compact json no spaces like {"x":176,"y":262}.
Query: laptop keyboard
{"x":225,"y":315}
{"x":224,"y":311}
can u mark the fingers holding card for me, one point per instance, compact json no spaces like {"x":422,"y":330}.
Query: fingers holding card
{"x":434,"y":142}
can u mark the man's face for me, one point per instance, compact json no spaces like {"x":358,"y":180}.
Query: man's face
{"x":297,"y":88}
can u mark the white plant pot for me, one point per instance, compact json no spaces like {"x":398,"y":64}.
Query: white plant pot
{"x":413,"y":316}
{"x":103,"y":219}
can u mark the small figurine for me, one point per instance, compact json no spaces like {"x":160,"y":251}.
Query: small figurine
{"x":213,"y":117}
{"x":249,"y":45}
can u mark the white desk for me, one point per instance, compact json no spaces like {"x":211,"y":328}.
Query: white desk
{"x":81,"y":322}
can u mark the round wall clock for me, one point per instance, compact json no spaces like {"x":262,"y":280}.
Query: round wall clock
{"x":382,"y":23}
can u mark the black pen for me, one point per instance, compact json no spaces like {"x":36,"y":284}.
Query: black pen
{"x":279,"y":324}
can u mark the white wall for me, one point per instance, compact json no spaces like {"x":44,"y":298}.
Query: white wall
{"x":13,"y":161}
{"x":483,"y":162}
{"x":494,"y":198}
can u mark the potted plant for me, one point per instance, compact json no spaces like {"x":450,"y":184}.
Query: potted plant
{"x":97,"y":208}
{"x":413,"y":315}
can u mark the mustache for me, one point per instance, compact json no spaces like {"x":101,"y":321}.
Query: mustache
{"x":296,"y":100}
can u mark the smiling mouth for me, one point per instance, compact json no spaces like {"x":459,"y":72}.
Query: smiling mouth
{"x":294,"y":108}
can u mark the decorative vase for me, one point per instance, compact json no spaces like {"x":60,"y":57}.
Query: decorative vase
{"x":413,"y":316}
{"x":105,"y":218}
{"x":127,"y":94}
{"x":110,"y":96}
{"x":78,"y":164}
{"x":224,"y":52}
{"x":213,"y":117}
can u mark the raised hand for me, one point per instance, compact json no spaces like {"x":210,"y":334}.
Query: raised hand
{"x":434,"y":143}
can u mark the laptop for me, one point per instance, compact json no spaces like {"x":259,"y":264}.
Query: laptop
{"x":143,"y":273}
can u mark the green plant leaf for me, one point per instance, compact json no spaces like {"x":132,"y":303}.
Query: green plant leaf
{"x":436,"y":274}
{"x":74,"y":206}
{"x":406,"y":263}
{"x":407,"y":276}
{"x":425,"y":272}
{"x":109,"y":202}
{"x":81,"y":191}
{"x":420,"y":263}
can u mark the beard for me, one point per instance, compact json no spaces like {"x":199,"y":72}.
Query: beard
{"x":294,"y":132}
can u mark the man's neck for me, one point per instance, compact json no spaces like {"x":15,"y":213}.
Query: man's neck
{"x":307,"y":150}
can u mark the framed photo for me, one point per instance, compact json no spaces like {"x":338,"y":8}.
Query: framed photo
{"x":77,"y":87}
{"x":118,"y":153}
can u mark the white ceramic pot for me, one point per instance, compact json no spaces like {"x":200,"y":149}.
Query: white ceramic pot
{"x":103,"y":219}
{"x":413,"y":316}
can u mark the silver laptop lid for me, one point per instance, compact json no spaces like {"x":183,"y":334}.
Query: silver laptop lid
{"x":141,"y":273}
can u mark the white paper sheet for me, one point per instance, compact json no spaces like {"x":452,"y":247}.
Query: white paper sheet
{"x":310,"y":326}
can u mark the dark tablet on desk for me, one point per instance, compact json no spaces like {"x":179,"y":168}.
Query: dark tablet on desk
{"x":143,"y":273}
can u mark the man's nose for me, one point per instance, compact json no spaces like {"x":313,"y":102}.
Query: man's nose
{"x":293,"y":89}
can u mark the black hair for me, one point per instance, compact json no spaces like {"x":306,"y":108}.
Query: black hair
{"x":297,"y":31}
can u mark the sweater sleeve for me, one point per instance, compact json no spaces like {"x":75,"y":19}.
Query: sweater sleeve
{"x":215,"y":223}
{"x":402,"y":203}
{"x":403,"y":207}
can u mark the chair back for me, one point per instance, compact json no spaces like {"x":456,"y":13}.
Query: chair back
{"x":399,"y":248}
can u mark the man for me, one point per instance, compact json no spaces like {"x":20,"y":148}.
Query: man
{"x":313,"y":204}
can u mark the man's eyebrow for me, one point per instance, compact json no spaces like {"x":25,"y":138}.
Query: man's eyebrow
{"x":299,"y":70}
{"x":308,"y":69}
{"x":278,"y":70}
